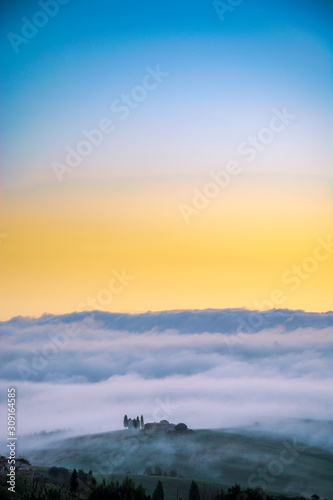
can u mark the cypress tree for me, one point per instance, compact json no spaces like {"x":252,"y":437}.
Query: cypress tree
{"x":74,"y":483}
{"x":194,"y":491}
{"x":158,"y":492}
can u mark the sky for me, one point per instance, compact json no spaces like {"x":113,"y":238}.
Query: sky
{"x":165,"y":155}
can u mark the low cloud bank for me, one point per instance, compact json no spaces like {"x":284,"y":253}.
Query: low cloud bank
{"x":188,"y":321}
{"x":218,"y":378}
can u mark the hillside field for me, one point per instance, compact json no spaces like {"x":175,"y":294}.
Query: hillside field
{"x":211,"y":456}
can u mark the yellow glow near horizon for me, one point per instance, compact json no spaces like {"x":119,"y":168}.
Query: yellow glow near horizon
{"x":64,"y":241}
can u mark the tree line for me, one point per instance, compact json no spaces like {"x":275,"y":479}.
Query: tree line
{"x":79,"y":484}
{"x":138,"y":423}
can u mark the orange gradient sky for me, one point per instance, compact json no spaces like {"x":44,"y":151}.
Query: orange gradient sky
{"x":186,"y":93}
{"x":64,"y":241}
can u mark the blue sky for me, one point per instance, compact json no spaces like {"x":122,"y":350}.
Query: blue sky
{"x":123,"y":205}
{"x":224,"y":77}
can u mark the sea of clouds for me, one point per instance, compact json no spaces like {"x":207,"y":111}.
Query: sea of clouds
{"x":81,"y":373}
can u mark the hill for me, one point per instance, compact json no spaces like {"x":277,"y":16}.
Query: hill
{"x":272,"y":463}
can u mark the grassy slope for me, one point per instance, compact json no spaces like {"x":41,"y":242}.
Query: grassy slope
{"x":174,"y":485}
{"x":207,"y":455}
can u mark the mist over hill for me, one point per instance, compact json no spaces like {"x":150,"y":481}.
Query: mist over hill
{"x":253,"y":457}
{"x":211,"y":369}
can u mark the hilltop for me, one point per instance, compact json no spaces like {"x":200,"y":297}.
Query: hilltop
{"x":255,"y":460}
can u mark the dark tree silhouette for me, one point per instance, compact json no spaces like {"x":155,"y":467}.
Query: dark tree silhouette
{"x":93,"y":483}
{"x":125,"y":421}
{"x":74,"y":482}
{"x":157,"y":471}
{"x":115,"y":491}
{"x":142,"y":422}
{"x":140,"y":493}
{"x":181,"y":427}
{"x":194,"y":491}
{"x":158,"y":492}
{"x":148,"y":471}
{"x":234,"y":492}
